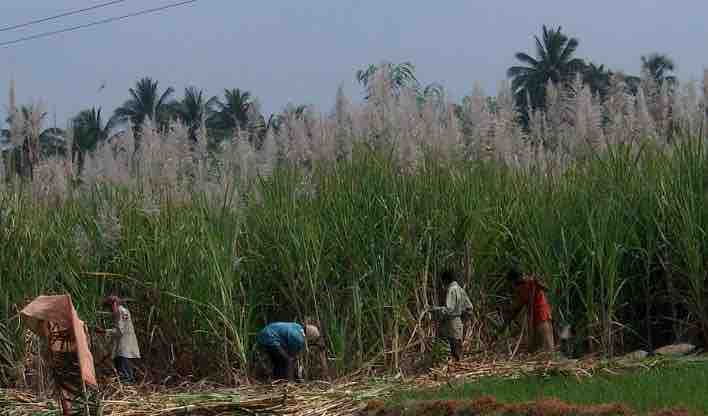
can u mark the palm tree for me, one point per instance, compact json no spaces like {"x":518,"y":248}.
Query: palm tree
{"x":32,"y":140}
{"x":194,"y":109}
{"x":554,"y":62}
{"x":597,"y":78}
{"x":146,"y":103}
{"x":631,"y":82}
{"x":660,"y":67}
{"x":401,"y":76}
{"x":258,"y":125}
{"x":434,"y":93}
{"x":232,"y":113}
{"x":274,"y":122}
{"x":89,"y":131}
{"x":295,"y":112}
{"x":51,"y":140}
{"x":290,"y":113}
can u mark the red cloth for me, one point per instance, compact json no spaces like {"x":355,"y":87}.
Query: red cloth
{"x":532,"y":294}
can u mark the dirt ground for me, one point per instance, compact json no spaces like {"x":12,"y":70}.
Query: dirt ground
{"x":350,"y":396}
{"x":489,"y":406}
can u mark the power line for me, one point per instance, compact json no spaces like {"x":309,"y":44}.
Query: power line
{"x":96,"y":23}
{"x":70,"y":13}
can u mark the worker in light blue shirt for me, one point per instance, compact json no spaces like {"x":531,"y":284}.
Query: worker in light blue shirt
{"x":282,"y":342}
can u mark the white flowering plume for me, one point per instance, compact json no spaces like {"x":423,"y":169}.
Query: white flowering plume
{"x":412,"y":127}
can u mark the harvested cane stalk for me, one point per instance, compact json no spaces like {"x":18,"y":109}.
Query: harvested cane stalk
{"x":343,"y":398}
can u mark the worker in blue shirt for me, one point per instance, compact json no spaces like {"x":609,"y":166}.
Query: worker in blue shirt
{"x":282,"y":342}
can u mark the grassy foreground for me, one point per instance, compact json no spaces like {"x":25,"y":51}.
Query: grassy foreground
{"x":681,"y":385}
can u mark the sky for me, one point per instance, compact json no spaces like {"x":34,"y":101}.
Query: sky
{"x":301,"y":51}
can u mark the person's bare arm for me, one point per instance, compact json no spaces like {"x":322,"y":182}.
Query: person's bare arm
{"x":323,"y":359}
{"x":115,"y":310}
{"x":450,"y":303}
{"x":516,"y":307}
{"x":515,"y":310}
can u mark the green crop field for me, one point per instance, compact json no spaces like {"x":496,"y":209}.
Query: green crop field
{"x":677,"y":386}
{"x":346,"y":218}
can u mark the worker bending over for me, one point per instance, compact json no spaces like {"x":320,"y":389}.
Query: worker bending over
{"x":529,"y":293}
{"x":282,"y":342}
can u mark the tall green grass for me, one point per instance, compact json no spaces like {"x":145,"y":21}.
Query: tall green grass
{"x":619,"y":239}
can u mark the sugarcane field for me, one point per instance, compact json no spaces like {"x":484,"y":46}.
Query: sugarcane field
{"x":383,"y":245}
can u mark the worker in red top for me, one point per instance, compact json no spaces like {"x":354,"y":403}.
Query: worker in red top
{"x":529,"y":293}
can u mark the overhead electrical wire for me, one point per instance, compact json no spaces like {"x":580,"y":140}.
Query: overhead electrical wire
{"x":95,"y":23}
{"x":59,"y":16}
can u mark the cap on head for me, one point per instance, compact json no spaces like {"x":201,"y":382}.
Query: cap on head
{"x":514,"y":275}
{"x":109,"y":300}
{"x":447,"y":276}
{"x":311,"y":332}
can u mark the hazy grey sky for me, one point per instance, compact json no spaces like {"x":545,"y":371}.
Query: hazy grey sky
{"x":300,"y":51}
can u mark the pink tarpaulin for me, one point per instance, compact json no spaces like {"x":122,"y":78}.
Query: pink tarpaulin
{"x":60,"y":311}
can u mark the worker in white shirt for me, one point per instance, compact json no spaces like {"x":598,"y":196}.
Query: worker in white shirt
{"x":125,"y":343}
{"x":456,"y":309}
